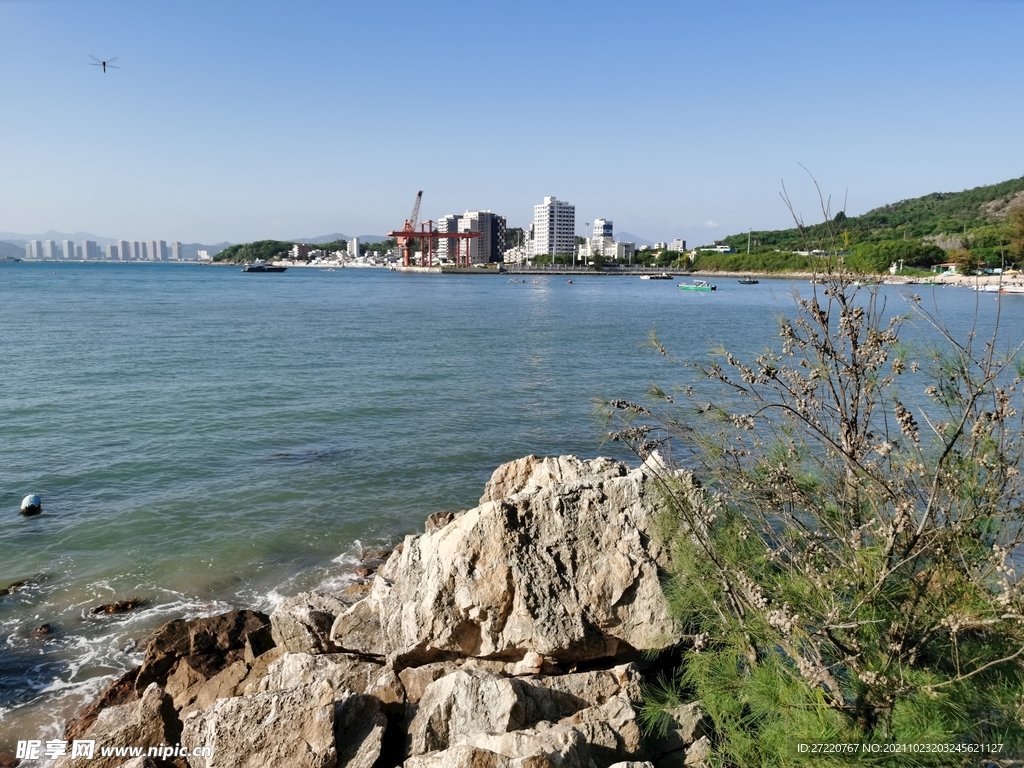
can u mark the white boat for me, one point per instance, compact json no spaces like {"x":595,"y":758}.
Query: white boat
{"x":697,"y":285}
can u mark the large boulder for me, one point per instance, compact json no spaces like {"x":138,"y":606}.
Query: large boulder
{"x":359,"y":726}
{"x":294,"y":728}
{"x":149,"y":721}
{"x":207,"y":645}
{"x":302,"y":624}
{"x":594,"y":736}
{"x":465,"y":703}
{"x":556,"y":561}
{"x":344,"y":671}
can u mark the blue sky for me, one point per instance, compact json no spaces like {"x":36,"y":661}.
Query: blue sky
{"x":238,"y":121}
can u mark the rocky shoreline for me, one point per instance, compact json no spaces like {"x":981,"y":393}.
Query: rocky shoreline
{"x":516,"y":634}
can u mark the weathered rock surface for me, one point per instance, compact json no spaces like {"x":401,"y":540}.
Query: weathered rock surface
{"x":359,"y":726}
{"x":207,"y":645}
{"x":556,"y":561}
{"x":302,"y":624}
{"x":149,"y":721}
{"x":344,"y":671}
{"x":462,"y":654}
{"x":466,"y":702}
{"x":685,"y":742}
{"x":292,"y":728}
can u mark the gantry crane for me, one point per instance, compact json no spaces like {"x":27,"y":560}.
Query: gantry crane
{"x":428,"y":238}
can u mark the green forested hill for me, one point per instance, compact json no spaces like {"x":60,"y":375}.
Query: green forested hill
{"x":266,"y":250}
{"x":939,"y":214}
{"x":970,"y":227}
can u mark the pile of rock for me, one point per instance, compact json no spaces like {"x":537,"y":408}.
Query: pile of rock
{"x":505,"y":635}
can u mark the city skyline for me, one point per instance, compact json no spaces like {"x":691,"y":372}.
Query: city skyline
{"x":275,"y":120}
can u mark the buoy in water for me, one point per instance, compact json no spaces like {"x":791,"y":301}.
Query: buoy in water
{"x":31,"y":505}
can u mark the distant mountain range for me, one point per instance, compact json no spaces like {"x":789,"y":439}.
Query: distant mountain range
{"x":319,"y":239}
{"x":629,"y":237}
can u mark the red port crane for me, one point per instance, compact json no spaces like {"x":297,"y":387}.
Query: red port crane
{"x":428,"y":238}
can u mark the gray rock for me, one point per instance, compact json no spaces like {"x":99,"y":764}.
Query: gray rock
{"x":593,"y":736}
{"x":343,"y":671}
{"x":359,"y":726}
{"x":557,"y":561}
{"x":150,"y":721}
{"x":140,"y":762}
{"x":293,"y":728}
{"x":465,"y":703}
{"x":465,"y":756}
{"x":302,"y":624}
{"x":687,"y":726}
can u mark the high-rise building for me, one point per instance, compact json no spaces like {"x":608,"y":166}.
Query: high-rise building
{"x":157,"y":250}
{"x":69,"y":250}
{"x":353,"y":247}
{"x":50,"y":252}
{"x":554,"y":227}
{"x":90,"y":251}
{"x":123,"y":250}
{"x":491,"y":246}
{"x":37,"y":249}
{"x":677,"y":245}
{"x":112,"y":252}
{"x":176,"y":251}
{"x":602,"y":228}
{"x":447,"y":247}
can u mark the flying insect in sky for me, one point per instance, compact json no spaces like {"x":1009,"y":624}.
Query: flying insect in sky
{"x":99,"y":63}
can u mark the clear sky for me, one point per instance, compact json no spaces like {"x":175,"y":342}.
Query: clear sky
{"x":242,"y":120}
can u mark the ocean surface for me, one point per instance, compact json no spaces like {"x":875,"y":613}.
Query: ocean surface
{"x":206,"y":439}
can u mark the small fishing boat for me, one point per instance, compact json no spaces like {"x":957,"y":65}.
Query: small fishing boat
{"x":747,"y":281}
{"x":697,"y":285}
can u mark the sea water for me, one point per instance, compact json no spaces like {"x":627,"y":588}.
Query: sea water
{"x":206,"y":439}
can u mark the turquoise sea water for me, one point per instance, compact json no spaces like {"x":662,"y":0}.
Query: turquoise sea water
{"x":205,"y":439}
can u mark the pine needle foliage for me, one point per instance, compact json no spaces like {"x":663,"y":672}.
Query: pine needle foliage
{"x":844,"y":526}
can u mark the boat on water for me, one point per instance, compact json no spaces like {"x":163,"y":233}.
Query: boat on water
{"x":697,"y":285}
{"x":748,"y":281}
{"x":1012,"y":289}
{"x":662,"y":276}
{"x":262,"y":266}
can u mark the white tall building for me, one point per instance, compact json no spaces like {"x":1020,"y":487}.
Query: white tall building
{"x":447,"y":247}
{"x":112,"y":252}
{"x":50,"y":252}
{"x":554,"y":227}
{"x":69,"y":250}
{"x":123,"y":250}
{"x":90,"y":251}
{"x":602,"y":228}
{"x":176,"y":251}
{"x":353,"y":247}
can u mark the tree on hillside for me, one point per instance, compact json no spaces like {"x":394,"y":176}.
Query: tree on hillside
{"x":843,"y":521}
{"x":1015,"y":223}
